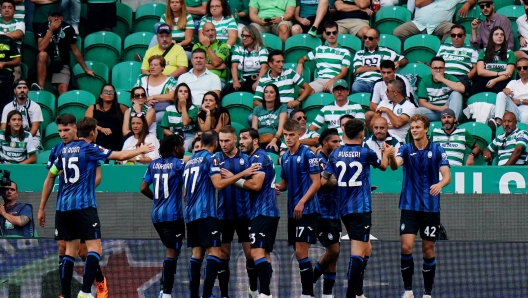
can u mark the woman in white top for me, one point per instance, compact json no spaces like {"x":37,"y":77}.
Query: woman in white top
{"x":159,"y":87}
{"x":219,"y":13}
{"x":138,"y":97}
{"x":140,"y":136}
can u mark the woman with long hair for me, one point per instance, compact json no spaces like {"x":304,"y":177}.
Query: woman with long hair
{"x":140,"y":135}
{"x":269,"y":118}
{"x":17,"y":144}
{"x":138,"y":98}
{"x":109,"y":115}
{"x":212,"y":114}
{"x":495,"y":65}
{"x":159,"y":87}
{"x":182,"y":24}
{"x":181,"y":117}
{"x":249,"y":61}
{"x":219,"y":13}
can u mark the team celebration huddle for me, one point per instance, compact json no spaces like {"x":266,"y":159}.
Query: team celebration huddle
{"x":222,"y":189}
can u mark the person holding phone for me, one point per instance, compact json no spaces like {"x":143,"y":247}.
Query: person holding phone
{"x":480,"y":29}
{"x":272,"y":16}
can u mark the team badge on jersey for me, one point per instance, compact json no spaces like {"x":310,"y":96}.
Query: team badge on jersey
{"x":330,"y":236}
{"x":215,"y":162}
{"x":322,"y":166}
{"x":241,"y":162}
{"x":402,"y":227}
{"x":298,"y":159}
{"x":444,"y":156}
{"x":429,"y":154}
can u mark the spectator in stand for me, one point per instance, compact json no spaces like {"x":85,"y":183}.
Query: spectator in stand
{"x":159,"y":87}
{"x":216,"y":50}
{"x":16,"y":144}
{"x":460,"y":58}
{"x":42,"y":11}
{"x":309,"y":138}
{"x":522,"y":31}
{"x":196,"y":144}
{"x":332,"y":61}
{"x":138,"y":98}
{"x":269,"y":118}
{"x":509,"y":147}
{"x":71,"y":10}
{"x":308,"y":16}
{"x":432,"y":17}
{"x":9,"y":58}
{"x":109,"y":115}
{"x":352,"y":16}
{"x":219,"y":14}
{"x":495,"y":65}
{"x":249,"y":61}
{"x":181,"y":117}
{"x":480,"y":30}
{"x":16,"y":219}
{"x":379,"y":92}
{"x":172,"y":53}
{"x":31,"y":111}
{"x":241,"y":13}
{"x":55,"y":40}
{"x":199,"y":78}
{"x":13,"y":28}
{"x":273,"y":16}
{"x":102,"y":15}
{"x":380,"y":135}
{"x":212,"y":115}
{"x":181,"y":22}
{"x":141,"y":136}
{"x":197,"y":9}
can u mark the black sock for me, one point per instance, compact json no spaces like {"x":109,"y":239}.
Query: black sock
{"x":252,"y":274}
{"x":428,"y":272}
{"x":169,"y":269}
{"x":359,"y":291}
{"x":329,"y":279}
{"x":90,"y":268}
{"x":60,"y":266}
{"x":223,"y":277}
{"x":407,"y":270}
{"x":355,"y":267}
{"x":318,"y":271}
{"x":306,"y":270}
{"x":195,"y":266}
{"x":270,"y":270}
{"x":263,"y":272}
{"x":99,"y":277}
{"x":315,"y":28}
{"x":66,"y":273}
{"x":211,"y":271}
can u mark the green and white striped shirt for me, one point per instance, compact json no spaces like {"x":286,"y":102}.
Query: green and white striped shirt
{"x":308,"y":134}
{"x":373,"y":58}
{"x":172,"y":120}
{"x":249,"y":63}
{"x":330,"y":115}
{"x":222,"y":27}
{"x":20,"y":12}
{"x":285,"y":82}
{"x":14,"y":25}
{"x":375,"y":145}
{"x":16,"y":151}
{"x":504,"y":145}
{"x":454,"y":144}
{"x":458,"y":61}
{"x":435,"y":93}
{"x":329,"y":61}
{"x":177,"y":34}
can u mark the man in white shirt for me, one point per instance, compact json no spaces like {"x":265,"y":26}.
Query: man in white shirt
{"x":388,"y":73}
{"x":199,"y":78}
{"x":514,"y":98}
{"x":522,"y":31}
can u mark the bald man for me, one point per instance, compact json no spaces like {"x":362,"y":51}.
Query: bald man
{"x":381,"y":135}
{"x":217,"y":51}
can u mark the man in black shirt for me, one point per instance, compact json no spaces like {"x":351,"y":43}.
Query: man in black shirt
{"x":55,"y":39}
{"x":9,"y":58}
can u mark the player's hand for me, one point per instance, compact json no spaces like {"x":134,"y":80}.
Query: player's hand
{"x":251,"y":170}
{"x":146,"y":148}
{"x":297,"y":212}
{"x":435,"y":189}
{"x":277,"y":190}
{"x":41,"y":217}
{"x":226,"y":173}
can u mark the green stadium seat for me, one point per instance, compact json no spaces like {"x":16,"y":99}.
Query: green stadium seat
{"x":307,"y":73}
{"x":46,"y":101}
{"x":482,"y":134}
{"x":512,"y":12}
{"x":390,"y":41}
{"x":238,"y":127}
{"x":75,"y":102}
{"x":488,"y":97}
{"x":361,"y":98}
{"x":29,"y":49}
{"x":473,"y":13}
{"x":89,"y":83}
{"x":24,"y":70}
{"x":350,"y":42}
{"x":73,"y":60}
{"x":43,"y":157}
{"x":414,"y":72}
{"x":123,"y":97}
{"x":390,"y":17}
{"x":136,"y":43}
{"x":147,"y":15}
{"x":103,"y":47}
{"x":272,"y":41}
{"x":432,"y":126}
{"x":313,"y":104}
{"x":421,"y":48}
{"x":51,"y":136}
{"x":240,"y":106}
{"x":125,"y":74}
{"x":502,"y":3}
{"x":297,"y":46}
{"x":124,"y":20}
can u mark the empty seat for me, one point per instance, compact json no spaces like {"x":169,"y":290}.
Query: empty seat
{"x":46,"y":101}
{"x":123,"y":20}
{"x":240,"y":106}
{"x":75,"y":102}
{"x":103,"y":47}
{"x":272,"y":41}
{"x":87,"y":82}
{"x":125,"y":74}
{"x":136,"y":43}
{"x":390,"y":17}
{"x":147,"y":15}
{"x":421,"y":48}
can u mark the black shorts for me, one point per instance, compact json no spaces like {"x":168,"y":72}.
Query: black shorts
{"x":204,"y":233}
{"x":171,"y":233}
{"x":320,"y":29}
{"x":79,"y":224}
{"x":263,"y":232}
{"x":329,"y":231}
{"x":303,"y":230}
{"x":59,"y":233}
{"x":358,"y":225}
{"x":428,"y":223}
{"x":229,"y":226}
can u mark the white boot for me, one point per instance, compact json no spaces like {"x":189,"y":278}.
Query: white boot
{"x":253,"y":294}
{"x":264,"y":296}
{"x":408,"y":294}
{"x":84,"y":295}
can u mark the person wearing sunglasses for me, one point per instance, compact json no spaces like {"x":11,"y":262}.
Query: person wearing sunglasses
{"x":138,"y":99}
{"x":308,"y":137}
{"x":480,"y":30}
{"x":219,"y":13}
{"x":332,"y":61}
{"x":367,"y":61}
{"x":509,"y":147}
{"x":269,"y":118}
{"x":109,"y":115}
{"x":140,"y":136}
{"x":495,"y":66}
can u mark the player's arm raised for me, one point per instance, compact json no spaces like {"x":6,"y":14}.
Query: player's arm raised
{"x":316,"y":184}
{"x":145,"y":189}
{"x":128,"y":154}
{"x":46,"y":191}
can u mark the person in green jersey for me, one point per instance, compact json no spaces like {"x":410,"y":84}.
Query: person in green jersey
{"x":273,"y":16}
{"x":16,"y":145}
{"x":509,"y":147}
{"x":495,"y":65}
{"x":217,"y":51}
{"x":269,"y":118}
{"x":219,"y":13}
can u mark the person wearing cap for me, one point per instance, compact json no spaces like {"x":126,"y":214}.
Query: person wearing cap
{"x":455,"y":140}
{"x":331,"y":61}
{"x":480,"y":30}
{"x":396,"y":109}
{"x":439,"y":91}
{"x":174,"y":54}
{"x":30,"y":110}
{"x":55,"y":40}
{"x":331,"y":114}
{"x":216,"y":51}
